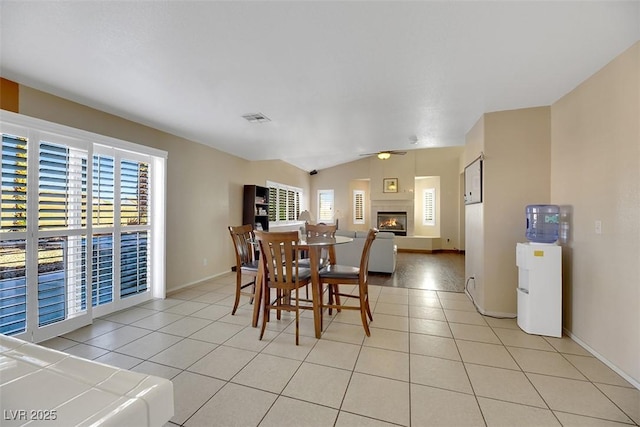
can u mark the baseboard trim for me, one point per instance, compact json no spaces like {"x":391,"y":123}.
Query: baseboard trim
{"x":430,"y":251}
{"x":603,"y":359}
{"x":186,"y":285}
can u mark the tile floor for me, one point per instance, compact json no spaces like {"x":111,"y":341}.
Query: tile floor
{"x":431,"y":360}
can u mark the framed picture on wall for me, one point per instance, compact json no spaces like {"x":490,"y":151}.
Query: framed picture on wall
{"x":390,"y":185}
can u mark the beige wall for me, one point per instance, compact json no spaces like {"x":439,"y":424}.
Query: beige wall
{"x":441,"y":162}
{"x":516,"y":172}
{"x":595,"y":175}
{"x":204,"y":185}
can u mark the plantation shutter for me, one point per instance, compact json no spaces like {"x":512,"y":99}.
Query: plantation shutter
{"x":13,"y":209}
{"x":429,"y":206}
{"x":358,"y":207}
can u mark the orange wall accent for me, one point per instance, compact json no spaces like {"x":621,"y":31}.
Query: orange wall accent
{"x":9,"y":95}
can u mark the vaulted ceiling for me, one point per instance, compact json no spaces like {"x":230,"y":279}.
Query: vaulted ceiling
{"x":336,"y":79}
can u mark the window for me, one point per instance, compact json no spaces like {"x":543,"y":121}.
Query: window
{"x":358,"y":207}
{"x":284,"y":203}
{"x":429,"y":206}
{"x":325,"y":206}
{"x":75,"y":227}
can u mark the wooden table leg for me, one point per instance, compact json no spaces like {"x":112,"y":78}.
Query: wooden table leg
{"x":316,"y":292}
{"x":257,"y":299}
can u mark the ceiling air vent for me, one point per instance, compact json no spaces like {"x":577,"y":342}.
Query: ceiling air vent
{"x":256,"y":118}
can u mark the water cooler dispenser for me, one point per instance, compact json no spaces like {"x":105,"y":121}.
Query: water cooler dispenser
{"x":539,"y":264}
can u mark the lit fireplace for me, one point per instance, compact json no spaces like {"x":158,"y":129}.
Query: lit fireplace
{"x":395,"y":222}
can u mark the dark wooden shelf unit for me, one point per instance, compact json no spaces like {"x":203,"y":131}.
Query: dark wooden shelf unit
{"x":255,"y":208}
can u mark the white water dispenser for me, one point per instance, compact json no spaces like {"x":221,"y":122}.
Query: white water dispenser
{"x":539,"y":288}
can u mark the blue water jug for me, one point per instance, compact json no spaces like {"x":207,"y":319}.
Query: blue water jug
{"x":543,"y":223}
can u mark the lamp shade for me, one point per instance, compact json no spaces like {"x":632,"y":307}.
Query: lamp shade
{"x":305,"y":216}
{"x":384,"y":155}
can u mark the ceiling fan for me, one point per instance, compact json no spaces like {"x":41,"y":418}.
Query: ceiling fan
{"x":384,"y":155}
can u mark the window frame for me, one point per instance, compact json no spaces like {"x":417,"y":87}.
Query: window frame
{"x":285,"y":213}
{"x":328,"y":219}
{"x":39,"y":131}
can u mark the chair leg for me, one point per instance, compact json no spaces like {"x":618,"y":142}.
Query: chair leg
{"x":238,"y":289}
{"x":253,"y":291}
{"x":363,"y":314}
{"x":297,"y":316}
{"x":265,"y":314}
{"x":336,"y":295}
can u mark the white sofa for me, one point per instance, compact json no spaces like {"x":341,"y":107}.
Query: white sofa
{"x":383,"y":251}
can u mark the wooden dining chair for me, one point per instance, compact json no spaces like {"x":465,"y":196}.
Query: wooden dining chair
{"x":283,"y":274}
{"x":334,"y":275}
{"x":328,"y":255}
{"x":246,"y":262}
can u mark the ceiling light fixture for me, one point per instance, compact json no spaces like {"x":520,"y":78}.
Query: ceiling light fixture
{"x":384,"y":155}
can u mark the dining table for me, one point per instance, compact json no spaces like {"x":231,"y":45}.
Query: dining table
{"x":314,"y":246}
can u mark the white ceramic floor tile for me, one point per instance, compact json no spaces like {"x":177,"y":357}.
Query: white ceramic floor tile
{"x":156,"y":369}
{"x":576,"y":397}
{"x":486,"y":354}
{"x":545,"y":362}
{"x":217,"y":332}
{"x":425,"y":302}
{"x":184,"y":353}
{"x":498,"y":413}
{"x":211,"y":312}
{"x":441,"y":373}
{"x":157,"y":320}
{"x":567,"y":345}
{"x":149,"y":345}
{"x":430,"y":327}
{"x":249,"y":339}
{"x":129,"y":315}
{"x":343,"y":332}
{"x":502,"y":323}
{"x":318,"y":384}
{"x":388,"y":339}
{"x":470,"y":317}
{"x":436,"y":407}
{"x":284,"y":345}
{"x":268,"y":373}
{"x":627,"y":399}
{"x":291,"y":412}
{"x":517,"y":338}
{"x":118,"y":337}
{"x":334,"y":354}
{"x":430,"y":345}
{"x":86,"y":351}
{"x":190,"y":392}
{"x":597,"y":371}
{"x":479,"y":333}
{"x":393,"y":299}
{"x":233,"y":405}
{"x":452,"y":304}
{"x":503,"y":384}
{"x":223,"y":362}
{"x":186,"y":308}
{"x":573,"y":420}
{"x":185,"y":326}
{"x":391,"y":309}
{"x":97,"y":328}
{"x":346,"y":419}
{"x":119,"y":360}
{"x":59,"y":343}
{"x":386,"y":321}
{"x":383,"y":363}
{"x":379,"y":398}
{"x":430,"y":313}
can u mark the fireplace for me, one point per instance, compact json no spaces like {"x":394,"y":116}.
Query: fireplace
{"x":395,"y":222}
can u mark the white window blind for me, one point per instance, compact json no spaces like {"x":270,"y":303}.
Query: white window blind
{"x":71,"y":253}
{"x":358,"y":207}
{"x":284,"y":203}
{"x":429,"y":206}
{"x":325,"y":205}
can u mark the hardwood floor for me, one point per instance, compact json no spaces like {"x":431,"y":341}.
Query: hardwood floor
{"x":439,"y":272}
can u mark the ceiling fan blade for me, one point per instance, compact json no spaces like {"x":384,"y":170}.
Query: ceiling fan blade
{"x":400,"y":153}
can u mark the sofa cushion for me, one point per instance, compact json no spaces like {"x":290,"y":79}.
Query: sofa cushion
{"x":385,"y":235}
{"x":346,"y":233}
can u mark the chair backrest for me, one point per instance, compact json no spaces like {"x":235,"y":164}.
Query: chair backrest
{"x":243,"y":242}
{"x":366,"y":250}
{"x":323,"y":230}
{"x":279,"y":251}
